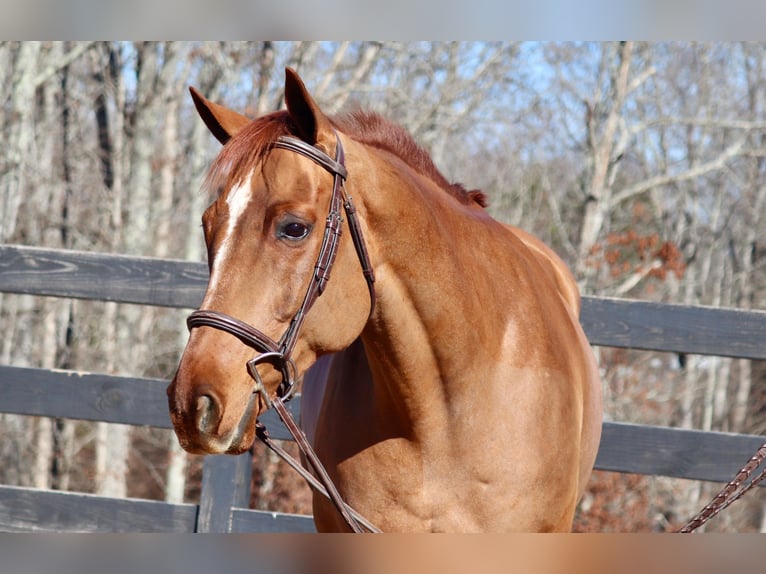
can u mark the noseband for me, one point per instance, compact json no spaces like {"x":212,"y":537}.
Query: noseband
{"x":279,"y":354}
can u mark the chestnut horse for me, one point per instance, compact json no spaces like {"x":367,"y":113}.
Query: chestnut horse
{"x":456,"y":393}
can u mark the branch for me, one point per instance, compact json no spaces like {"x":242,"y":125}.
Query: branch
{"x":635,"y":279}
{"x":329,"y":75}
{"x":361,"y":70}
{"x":62,"y":62}
{"x":703,"y":122}
{"x":636,"y":82}
{"x":696,"y":171}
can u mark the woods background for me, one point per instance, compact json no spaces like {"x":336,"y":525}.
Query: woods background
{"x":642,"y":164}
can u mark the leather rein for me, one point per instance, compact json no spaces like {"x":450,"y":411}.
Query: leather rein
{"x":278,"y":354}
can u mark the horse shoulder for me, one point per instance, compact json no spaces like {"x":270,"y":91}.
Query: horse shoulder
{"x":592,"y":406}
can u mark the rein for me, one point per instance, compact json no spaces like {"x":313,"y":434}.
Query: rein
{"x":278,"y":354}
{"x":729,"y":493}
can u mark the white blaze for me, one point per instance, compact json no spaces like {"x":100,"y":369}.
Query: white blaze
{"x":238,"y":200}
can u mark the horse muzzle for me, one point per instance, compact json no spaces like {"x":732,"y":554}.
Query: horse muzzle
{"x":205,"y":424}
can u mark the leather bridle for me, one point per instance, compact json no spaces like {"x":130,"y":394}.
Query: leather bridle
{"x":278,"y":354}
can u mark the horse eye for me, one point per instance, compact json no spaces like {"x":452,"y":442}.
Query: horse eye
{"x":294,"y":230}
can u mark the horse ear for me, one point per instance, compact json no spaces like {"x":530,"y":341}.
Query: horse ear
{"x":313,"y":126}
{"x":222,"y":122}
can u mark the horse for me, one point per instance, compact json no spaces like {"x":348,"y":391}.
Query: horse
{"x":454,"y":389}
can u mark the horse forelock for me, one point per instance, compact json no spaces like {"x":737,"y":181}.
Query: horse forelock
{"x":245,"y":150}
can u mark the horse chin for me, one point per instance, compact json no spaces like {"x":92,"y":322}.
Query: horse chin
{"x":240,"y":446}
{"x":230,"y":445}
{"x":244,"y":434}
{"x":235,"y":443}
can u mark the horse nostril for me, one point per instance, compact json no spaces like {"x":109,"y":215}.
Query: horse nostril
{"x":207,"y":413}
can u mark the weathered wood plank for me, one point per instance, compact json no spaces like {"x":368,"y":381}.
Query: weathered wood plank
{"x":267,"y":522}
{"x":624,"y":447}
{"x":680,"y":453}
{"x":85,"y":396}
{"x":106,"y":398}
{"x":675,"y":328}
{"x":28,"y":509}
{"x":101,"y":276}
{"x":173,"y":283}
{"x":225,"y":485}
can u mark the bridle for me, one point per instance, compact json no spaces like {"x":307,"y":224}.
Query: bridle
{"x":278,"y":354}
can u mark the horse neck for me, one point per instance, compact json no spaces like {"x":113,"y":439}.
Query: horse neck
{"x":423,"y":342}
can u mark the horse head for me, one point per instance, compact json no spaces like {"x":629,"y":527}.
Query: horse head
{"x":277,"y":187}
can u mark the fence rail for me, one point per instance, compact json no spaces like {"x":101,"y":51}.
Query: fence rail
{"x":625,"y":447}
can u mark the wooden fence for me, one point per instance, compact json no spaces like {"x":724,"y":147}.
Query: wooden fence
{"x":222,"y":507}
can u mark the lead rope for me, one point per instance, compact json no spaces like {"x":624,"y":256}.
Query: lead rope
{"x":729,"y":493}
{"x":324,"y":484}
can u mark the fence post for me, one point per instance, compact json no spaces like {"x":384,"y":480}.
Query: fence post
{"x":225,"y":485}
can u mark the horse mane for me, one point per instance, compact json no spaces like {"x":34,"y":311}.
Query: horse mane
{"x":372,"y":129}
{"x":252,"y":143}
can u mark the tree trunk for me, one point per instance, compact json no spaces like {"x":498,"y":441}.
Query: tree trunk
{"x":112,"y":441}
{"x":603,"y":153}
{"x":18,"y":144}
